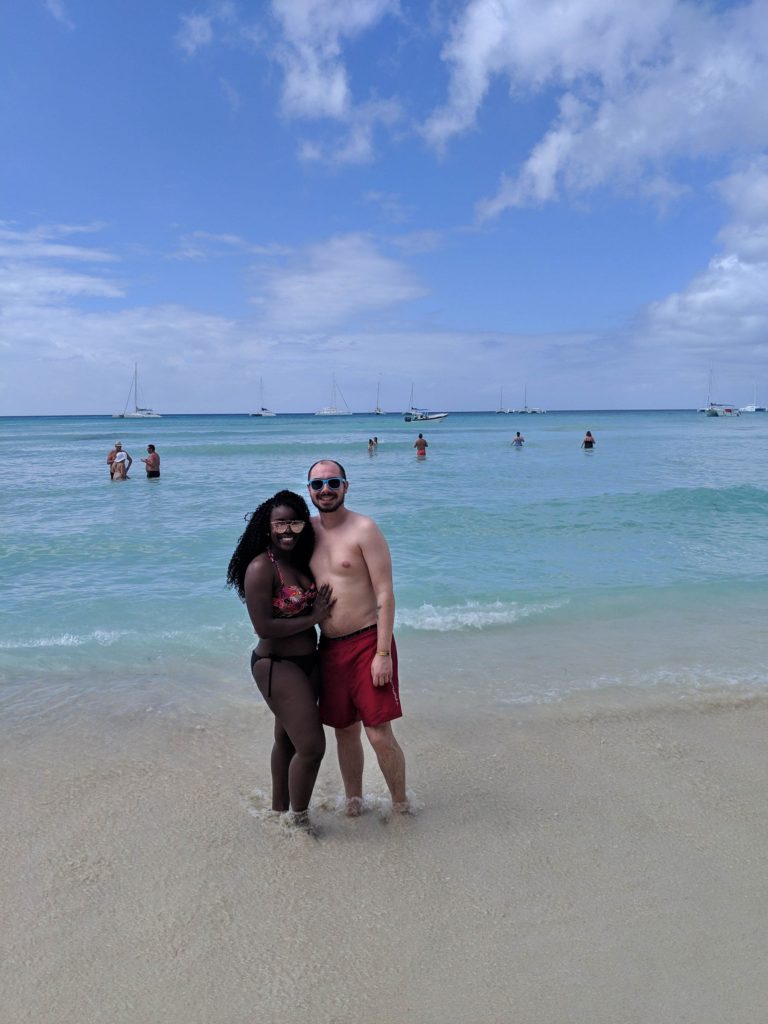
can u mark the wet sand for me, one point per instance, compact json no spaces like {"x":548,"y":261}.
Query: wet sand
{"x":588,"y":864}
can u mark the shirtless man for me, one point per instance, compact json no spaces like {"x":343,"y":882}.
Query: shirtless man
{"x":152,"y":463}
{"x":420,"y":444}
{"x":358,"y":657}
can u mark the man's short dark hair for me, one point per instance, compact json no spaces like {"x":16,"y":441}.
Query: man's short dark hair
{"x":342,"y":471}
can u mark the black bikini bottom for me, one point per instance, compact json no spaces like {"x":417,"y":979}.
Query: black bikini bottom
{"x":306,"y":662}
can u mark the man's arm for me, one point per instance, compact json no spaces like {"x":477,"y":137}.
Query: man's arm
{"x":375,"y":552}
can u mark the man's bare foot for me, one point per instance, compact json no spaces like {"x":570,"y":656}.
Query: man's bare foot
{"x":354,"y":807}
{"x":402,"y":807}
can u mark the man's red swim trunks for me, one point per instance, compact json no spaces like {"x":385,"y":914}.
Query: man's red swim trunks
{"x":347,"y":693}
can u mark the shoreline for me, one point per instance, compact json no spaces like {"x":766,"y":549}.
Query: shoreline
{"x":580,"y":861}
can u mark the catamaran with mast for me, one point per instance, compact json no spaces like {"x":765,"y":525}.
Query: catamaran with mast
{"x":333,"y":409}
{"x":139,"y":412}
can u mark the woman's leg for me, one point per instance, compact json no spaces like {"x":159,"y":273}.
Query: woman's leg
{"x":294,"y":705}
{"x":280,"y":762}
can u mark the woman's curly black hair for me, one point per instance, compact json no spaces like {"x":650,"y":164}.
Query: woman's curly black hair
{"x":255,"y":539}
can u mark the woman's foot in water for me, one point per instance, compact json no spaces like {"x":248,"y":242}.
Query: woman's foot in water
{"x":300,"y":821}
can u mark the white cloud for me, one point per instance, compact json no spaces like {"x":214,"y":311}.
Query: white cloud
{"x":316,"y":82}
{"x":640,"y":85}
{"x":355,"y":144}
{"x":723,"y":311}
{"x":315,"y":78}
{"x":333,"y":283}
{"x":196,"y":32}
{"x":59,"y":12}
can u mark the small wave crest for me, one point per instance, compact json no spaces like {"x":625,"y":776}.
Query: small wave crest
{"x":472,"y":615}
{"x":104,"y":638}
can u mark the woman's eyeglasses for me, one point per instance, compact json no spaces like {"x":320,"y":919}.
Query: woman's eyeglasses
{"x":334,"y":482}
{"x":281,"y":526}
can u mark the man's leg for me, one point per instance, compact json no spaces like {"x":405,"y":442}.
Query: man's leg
{"x":349,"y":749}
{"x":391,"y":761}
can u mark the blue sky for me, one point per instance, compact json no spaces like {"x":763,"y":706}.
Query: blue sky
{"x":460,"y":195}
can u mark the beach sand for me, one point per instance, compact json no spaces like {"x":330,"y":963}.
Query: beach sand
{"x":587,"y":863}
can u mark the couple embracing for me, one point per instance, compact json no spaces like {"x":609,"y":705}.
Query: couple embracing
{"x":274,"y":569}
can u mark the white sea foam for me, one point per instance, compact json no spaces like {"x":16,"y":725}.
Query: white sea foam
{"x":104,"y":638}
{"x":472,"y":615}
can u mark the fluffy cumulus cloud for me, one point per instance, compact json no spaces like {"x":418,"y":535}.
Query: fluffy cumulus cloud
{"x":727,"y":303}
{"x":334,"y":283}
{"x":639,"y":86}
{"x":316,"y":81}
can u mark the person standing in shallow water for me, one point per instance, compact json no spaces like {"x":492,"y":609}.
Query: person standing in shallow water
{"x":358,"y":656}
{"x":270,"y":572}
{"x":116,"y":450}
{"x":589,"y":442}
{"x":152,"y":463}
{"x":420,"y":444}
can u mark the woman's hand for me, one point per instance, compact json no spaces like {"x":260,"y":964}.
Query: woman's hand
{"x":324,"y":602}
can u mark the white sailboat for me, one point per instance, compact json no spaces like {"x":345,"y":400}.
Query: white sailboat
{"x":527,"y":410}
{"x":139,"y":412}
{"x":378,"y":411}
{"x":502,"y":411}
{"x":263,"y":410}
{"x":333,"y":409}
{"x":754,"y":407}
{"x":718,"y":408}
{"x":415,"y":414}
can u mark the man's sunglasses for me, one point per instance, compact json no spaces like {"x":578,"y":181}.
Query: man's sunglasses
{"x":281,"y":526}
{"x":334,"y":482}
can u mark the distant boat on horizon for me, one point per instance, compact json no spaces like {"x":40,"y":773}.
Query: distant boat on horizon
{"x":378,"y":411}
{"x":333,"y":409}
{"x":754,"y":407}
{"x":263,"y":411}
{"x":415,"y":414}
{"x":526,"y":410}
{"x":139,"y":412}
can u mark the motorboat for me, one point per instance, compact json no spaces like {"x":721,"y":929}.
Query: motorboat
{"x":415,"y":414}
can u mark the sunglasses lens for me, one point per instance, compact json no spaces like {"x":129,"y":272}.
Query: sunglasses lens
{"x":294,"y":526}
{"x":334,"y":483}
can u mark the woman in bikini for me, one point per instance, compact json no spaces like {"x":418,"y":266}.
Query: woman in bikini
{"x":270,"y":571}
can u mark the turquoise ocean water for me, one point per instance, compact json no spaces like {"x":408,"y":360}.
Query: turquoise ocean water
{"x":521,"y":576}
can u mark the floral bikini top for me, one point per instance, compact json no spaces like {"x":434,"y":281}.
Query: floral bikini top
{"x":290,"y":600}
